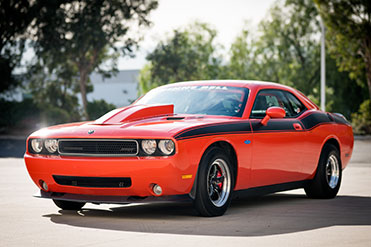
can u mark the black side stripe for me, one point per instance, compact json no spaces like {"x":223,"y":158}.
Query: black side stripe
{"x":339,"y":120}
{"x":307,"y":122}
{"x":273,"y":125}
{"x":220,"y":129}
{"x":313,"y":120}
{"x":239,"y":128}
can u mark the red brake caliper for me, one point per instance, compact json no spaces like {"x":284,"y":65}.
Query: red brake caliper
{"x":218,"y":175}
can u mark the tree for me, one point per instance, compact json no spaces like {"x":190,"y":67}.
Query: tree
{"x":243,"y":63}
{"x":50,"y":86}
{"x":289,"y":45}
{"x":87,"y":33}
{"x":15,"y":18}
{"x":349,"y":35}
{"x":287,"y":50}
{"x":189,"y":54}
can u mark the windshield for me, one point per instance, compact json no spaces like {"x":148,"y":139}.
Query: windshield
{"x":207,"y":100}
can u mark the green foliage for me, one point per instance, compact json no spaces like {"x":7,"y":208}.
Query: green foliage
{"x":98,"y":108}
{"x":349,"y":39}
{"x":189,"y":54}
{"x":361,"y":120}
{"x":15,"y":17}
{"x":287,"y":50}
{"x":87,"y":33}
{"x":51,"y":91}
{"x":346,"y":94}
{"x":145,"y":82}
{"x":243,"y":61}
{"x":71,"y":39}
{"x":52,"y":115}
{"x":18,"y":114}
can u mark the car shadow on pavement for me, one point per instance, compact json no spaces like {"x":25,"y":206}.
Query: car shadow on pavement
{"x":259,"y":216}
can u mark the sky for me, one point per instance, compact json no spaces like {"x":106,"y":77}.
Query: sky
{"x":226,"y":16}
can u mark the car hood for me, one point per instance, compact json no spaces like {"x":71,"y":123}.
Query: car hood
{"x":132,"y":122}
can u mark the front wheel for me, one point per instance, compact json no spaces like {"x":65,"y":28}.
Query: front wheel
{"x":326,"y":182}
{"x":69,"y":205}
{"x":214,"y":184}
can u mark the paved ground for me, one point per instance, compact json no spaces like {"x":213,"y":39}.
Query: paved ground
{"x":283,"y":219}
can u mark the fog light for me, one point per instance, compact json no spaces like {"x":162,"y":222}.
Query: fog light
{"x":157,"y":189}
{"x":44,"y":185}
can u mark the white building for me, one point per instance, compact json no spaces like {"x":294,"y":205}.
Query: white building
{"x":120,"y":89}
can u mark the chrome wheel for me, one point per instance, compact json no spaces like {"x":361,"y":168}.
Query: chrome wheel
{"x":219,"y":182}
{"x":327,"y":180}
{"x":332,"y":171}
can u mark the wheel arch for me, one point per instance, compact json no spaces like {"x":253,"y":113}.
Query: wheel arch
{"x":231,"y":153}
{"x":334,"y":141}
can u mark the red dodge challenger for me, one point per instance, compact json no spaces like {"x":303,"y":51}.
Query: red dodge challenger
{"x":203,"y":140}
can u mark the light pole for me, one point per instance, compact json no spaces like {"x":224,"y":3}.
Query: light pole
{"x":323,"y":67}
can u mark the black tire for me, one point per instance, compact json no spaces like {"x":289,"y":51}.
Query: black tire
{"x":215,"y":182}
{"x":69,"y":205}
{"x":326,"y":182}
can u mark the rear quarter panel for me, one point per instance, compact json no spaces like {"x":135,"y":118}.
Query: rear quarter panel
{"x":317,"y":138}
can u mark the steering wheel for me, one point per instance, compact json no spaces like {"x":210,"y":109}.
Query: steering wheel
{"x":232,"y":105}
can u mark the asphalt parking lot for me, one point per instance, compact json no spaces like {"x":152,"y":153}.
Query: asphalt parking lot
{"x":283,"y":219}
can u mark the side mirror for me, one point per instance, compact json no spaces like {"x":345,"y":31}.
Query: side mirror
{"x":273,"y":112}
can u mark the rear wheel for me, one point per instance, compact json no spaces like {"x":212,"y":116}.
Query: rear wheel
{"x":214,"y":183}
{"x":69,"y":205}
{"x":326,"y":182}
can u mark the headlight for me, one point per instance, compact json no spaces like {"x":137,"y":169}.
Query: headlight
{"x":166,"y":146}
{"x":51,"y":145}
{"x":149,"y":146}
{"x":37,"y":145}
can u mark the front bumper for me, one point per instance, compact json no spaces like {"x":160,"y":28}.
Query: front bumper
{"x":110,"y":199}
{"x":174,"y":174}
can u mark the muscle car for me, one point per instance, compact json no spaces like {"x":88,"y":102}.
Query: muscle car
{"x":204,"y":141}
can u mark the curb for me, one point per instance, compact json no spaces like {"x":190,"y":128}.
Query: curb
{"x":366,"y":137}
{"x":12,"y":137}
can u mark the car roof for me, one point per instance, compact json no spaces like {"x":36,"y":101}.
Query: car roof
{"x":232,"y":83}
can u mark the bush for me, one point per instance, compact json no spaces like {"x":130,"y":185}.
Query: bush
{"x":52,"y":115}
{"x":361,"y":120}
{"x":17,"y":114}
{"x":98,"y":108}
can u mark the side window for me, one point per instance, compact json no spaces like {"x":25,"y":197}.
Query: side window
{"x":296,"y":105}
{"x":271,"y":97}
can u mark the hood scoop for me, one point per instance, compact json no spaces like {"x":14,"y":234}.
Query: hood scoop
{"x":134,"y":112}
{"x":175,"y":118}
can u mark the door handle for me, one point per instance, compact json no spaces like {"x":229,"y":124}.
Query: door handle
{"x":297,"y":126}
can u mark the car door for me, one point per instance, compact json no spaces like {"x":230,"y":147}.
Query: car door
{"x":277,"y":146}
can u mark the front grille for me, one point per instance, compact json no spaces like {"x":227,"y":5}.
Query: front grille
{"x":93,"y":182}
{"x":98,"y":147}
